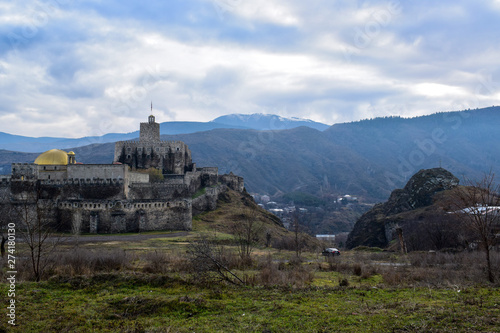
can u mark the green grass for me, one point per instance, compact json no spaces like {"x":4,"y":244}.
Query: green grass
{"x":153,"y":303}
{"x":131,"y":300}
{"x":199,"y":193}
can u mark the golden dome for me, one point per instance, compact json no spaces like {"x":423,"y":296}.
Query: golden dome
{"x":52,"y":157}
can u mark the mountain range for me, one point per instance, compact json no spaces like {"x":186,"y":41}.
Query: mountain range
{"x":236,"y":121}
{"x":367,"y":158}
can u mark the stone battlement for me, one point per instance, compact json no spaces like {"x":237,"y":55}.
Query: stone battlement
{"x":209,"y":170}
{"x":84,"y":181}
{"x":142,"y":143}
{"x":122,"y":204}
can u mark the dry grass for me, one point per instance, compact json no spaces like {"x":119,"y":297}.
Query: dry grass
{"x":416,"y":269}
{"x":158,"y":262}
{"x":292,"y":274}
{"x":279,"y":268}
{"x":81,"y":261}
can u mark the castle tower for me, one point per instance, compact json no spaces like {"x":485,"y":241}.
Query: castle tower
{"x":171,"y":157}
{"x":150,"y":131}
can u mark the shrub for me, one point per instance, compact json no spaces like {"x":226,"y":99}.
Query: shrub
{"x":281,"y":274}
{"x":86,"y":262}
{"x":357,"y":269}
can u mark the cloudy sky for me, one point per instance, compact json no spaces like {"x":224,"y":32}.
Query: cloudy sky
{"x":87,"y":67}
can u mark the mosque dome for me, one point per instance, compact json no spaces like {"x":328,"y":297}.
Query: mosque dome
{"x":52,"y":157}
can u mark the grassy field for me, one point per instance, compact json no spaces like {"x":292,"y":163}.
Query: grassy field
{"x":142,"y":303}
{"x":148,"y":286}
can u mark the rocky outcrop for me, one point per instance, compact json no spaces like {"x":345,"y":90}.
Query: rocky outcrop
{"x":426,"y":183}
{"x":374,"y":227}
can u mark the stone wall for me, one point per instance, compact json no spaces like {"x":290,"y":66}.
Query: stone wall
{"x":172,"y":157}
{"x":124,"y":216}
{"x":236,"y":183}
{"x":160,"y":191}
{"x":26,"y":171}
{"x":137,"y":177}
{"x":97,"y":171}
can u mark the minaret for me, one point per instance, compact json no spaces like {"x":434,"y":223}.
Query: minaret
{"x":150,"y":131}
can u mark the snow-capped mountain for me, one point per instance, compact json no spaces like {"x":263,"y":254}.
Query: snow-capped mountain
{"x":260,"y":121}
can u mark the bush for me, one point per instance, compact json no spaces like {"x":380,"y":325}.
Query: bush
{"x":86,"y":262}
{"x":367,"y":249}
{"x":357,"y":269}
{"x":292,"y":274}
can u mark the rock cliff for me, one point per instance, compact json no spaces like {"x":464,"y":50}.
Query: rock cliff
{"x":374,"y":227}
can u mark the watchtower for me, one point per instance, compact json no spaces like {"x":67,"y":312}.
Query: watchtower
{"x":150,"y":131}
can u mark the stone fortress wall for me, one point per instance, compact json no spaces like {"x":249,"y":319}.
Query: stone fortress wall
{"x":120,"y":197}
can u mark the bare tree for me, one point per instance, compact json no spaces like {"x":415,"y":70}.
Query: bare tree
{"x":477,"y":204}
{"x":299,"y":240}
{"x":207,"y":257}
{"x":247,"y":233}
{"x":35,"y":226}
{"x":5,"y":219}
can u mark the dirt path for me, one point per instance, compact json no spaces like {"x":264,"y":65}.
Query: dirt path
{"x":119,"y":238}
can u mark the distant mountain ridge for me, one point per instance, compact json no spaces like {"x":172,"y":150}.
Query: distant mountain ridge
{"x":256,"y":121}
{"x":261,"y":121}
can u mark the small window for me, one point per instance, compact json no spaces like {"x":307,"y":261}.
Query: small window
{"x":129,"y":149}
{"x":157,"y":149}
{"x":128,"y":156}
{"x":178,"y":149}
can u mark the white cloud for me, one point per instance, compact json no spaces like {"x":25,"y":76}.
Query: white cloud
{"x":277,"y":12}
{"x":93,"y":67}
{"x":437,"y":90}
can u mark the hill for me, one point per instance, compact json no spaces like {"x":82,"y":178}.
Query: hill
{"x":238,"y":215}
{"x":464,"y":142}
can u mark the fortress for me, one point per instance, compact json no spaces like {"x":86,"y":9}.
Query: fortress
{"x":151,"y":185}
